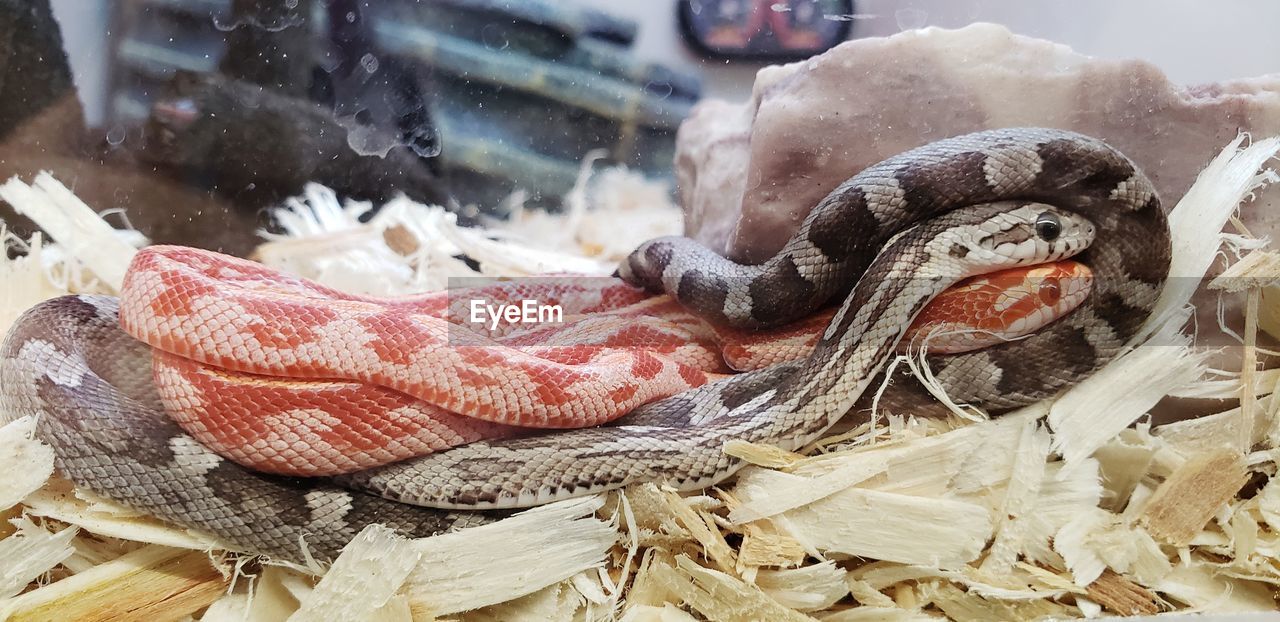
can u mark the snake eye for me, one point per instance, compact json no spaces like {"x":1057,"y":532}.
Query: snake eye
{"x":1048,"y":226}
{"x":1050,"y":292}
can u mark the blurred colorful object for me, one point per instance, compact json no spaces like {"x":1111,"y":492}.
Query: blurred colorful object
{"x":765,"y":29}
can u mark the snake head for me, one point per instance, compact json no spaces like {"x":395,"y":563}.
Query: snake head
{"x":1026,"y":233}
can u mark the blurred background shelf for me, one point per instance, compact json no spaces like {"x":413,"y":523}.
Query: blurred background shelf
{"x":519,"y":92}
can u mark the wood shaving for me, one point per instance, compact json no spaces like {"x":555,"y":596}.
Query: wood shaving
{"x":364,"y":579}
{"x":1192,"y":495}
{"x":508,"y":559}
{"x":811,"y":588}
{"x":30,"y":553}
{"x":717,"y":595}
{"x":154,"y":582}
{"x":73,"y":225}
{"x":28,"y":461}
{"x":1091,"y":413}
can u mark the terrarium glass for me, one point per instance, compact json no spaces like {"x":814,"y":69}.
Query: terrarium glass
{"x":687,"y":309}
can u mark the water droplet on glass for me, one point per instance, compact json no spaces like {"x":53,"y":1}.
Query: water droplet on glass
{"x":847,"y":17}
{"x":224,"y":26}
{"x":661,"y":90}
{"x":328,"y":62}
{"x":252,"y":97}
{"x":367,"y":139}
{"x":288,"y":21}
{"x":115,"y":136}
{"x":493,"y":37}
{"x":909,"y":19}
{"x":369,"y":62}
{"x":291,"y":4}
{"x":351,"y":17}
{"x":696,"y":7}
{"x":428,"y":144}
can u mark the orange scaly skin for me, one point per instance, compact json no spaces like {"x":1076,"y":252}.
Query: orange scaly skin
{"x":976,"y":313}
{"x":309,"y":427}
{"x":243,"y":319}
{"x":991,"y":309}
{"x":286,"y":376}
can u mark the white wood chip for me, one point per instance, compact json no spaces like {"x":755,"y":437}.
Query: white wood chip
{"x":58,"y":503}
{"x":968,"y":459}
{"x":508,"y":559}
{"x":810,"y":588}
{"x":782,"y":499}
{"x":1064,"y":493}
{"x":1207,"y":206}
{"x":274,"y":594}
{"x":651,"y":613}
{"x":1224,"y":385}
{"x":587,"y":585}
{"x":867,"y":595}
{"x":884,"y":575}
{"x":364,"y":577}
{"x":27,"y":462}
{"x":983,"y":453}
{"x":24,"y":281}
{"x":1124,"y":461}
{"x":722,"y":597}
{"x":1073,"y":543}
{"x":556,"y":603}
{"x":1213,"y":431}
{"x":1088,"y":608}
{"x":879,"y":614}
{"x":511,"y":259}
{"x":1094,"y":411}
{"x":1131,"y":551}
{"x":1202,"y":587}
{"x":1020,"y":500}
{"x":71,"y":223}
{"x":29,"y":553}
{"x":1269,"y":504}
{"x":924,"y":530}
{"x":328,"y":243}
{"x":230,"y":608}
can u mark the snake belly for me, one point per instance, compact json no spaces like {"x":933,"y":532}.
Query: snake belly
{"x":64,"y":362}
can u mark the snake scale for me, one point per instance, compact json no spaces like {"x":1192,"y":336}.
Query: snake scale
{"x":902,"y":230}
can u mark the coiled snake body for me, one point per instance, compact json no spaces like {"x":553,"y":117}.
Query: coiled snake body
{"x":903,"y":229}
